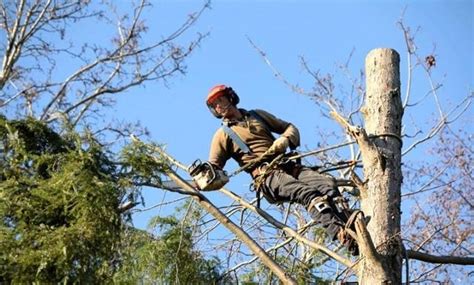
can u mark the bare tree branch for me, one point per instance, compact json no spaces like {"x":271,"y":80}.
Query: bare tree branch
{"x":460,"y":108}
{"x":440,"y":259}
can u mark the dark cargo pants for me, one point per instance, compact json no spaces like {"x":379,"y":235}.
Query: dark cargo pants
{"x":281,"y":186}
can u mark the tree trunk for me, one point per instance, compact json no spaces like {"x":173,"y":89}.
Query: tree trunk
{"x":382,"y":168}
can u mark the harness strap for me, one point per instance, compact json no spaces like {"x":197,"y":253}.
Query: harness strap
{"x":235,"y":137}
{"x":257,"y":194}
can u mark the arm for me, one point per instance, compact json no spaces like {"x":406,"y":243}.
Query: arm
{"x":292,"y":133}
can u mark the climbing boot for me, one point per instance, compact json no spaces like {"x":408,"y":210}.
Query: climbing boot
{"x":345,"y":238}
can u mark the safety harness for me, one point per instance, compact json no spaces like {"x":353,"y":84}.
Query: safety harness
{"x":265,"y":168}
{"x":258,"y":181}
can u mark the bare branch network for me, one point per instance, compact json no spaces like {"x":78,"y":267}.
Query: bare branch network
{"x":31,"y":75}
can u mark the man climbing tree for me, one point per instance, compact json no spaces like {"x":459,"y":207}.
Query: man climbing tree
{"x":246,"y":136}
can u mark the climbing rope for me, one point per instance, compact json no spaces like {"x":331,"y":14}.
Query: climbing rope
{"x":294,"y":157}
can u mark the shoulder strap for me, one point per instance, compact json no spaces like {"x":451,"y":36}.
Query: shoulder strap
{"x":235,"y":137}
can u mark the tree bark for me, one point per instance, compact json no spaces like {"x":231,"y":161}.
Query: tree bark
{"x":380,"y":200}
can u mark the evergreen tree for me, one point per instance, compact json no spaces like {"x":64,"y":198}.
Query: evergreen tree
{"x":58,"y":206}
{"x":170,"y":258}
{"x":61,"y":220}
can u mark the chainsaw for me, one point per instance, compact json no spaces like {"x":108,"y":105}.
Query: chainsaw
{"x":207,"y":176}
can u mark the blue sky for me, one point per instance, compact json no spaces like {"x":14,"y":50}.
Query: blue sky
{"x":324,"y":32}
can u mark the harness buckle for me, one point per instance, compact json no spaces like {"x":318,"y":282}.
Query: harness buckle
{"x":321,"y":204}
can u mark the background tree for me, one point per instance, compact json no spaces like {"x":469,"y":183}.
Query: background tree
{"x":444,"y":229}
{"x":59,"y":207}
{"x":61,"y":182}
{"x":169,"y":255}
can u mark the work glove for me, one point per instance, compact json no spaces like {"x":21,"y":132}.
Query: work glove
{"x":278,"y":146}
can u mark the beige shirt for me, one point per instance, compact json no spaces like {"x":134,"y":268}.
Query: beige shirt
{"x":254,"y":134}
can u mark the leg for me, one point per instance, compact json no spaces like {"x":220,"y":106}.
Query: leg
{"x":322,"y":185}
{"x":326,"y":186}
{"x":317,"y":193}
{"x":320,"y":204}
{"x":282,"y":187}
{"x":331,"y":213}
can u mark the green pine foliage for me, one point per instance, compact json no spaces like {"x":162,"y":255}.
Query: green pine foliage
{"x":168,"y":258}
{"x":141,"y":165}
{"x":60,"y":220}
{"x":58,"y":207}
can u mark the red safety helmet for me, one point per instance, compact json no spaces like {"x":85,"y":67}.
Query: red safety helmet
{"x":218,"y":91}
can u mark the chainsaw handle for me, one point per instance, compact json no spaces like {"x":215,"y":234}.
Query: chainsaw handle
{"x":194,"y":166}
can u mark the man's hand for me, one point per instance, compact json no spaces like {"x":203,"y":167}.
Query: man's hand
{"x":278,"y":146}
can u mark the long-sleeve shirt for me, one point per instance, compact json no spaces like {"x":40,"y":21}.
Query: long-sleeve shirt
{"x":254,"y":134}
